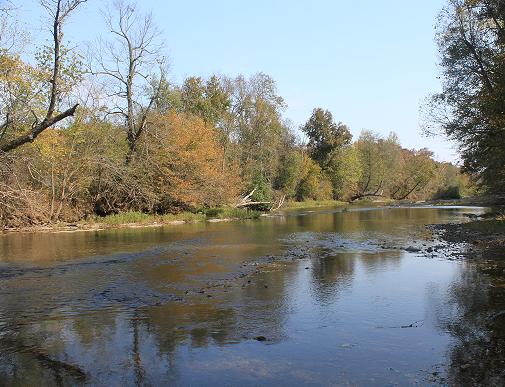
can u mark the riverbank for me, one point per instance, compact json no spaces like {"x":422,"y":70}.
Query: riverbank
{"x":337,"y":203}
{"x":485,"y":238}
{"x":481,"y":238}
{"x":483,"y":235}
{"x":291,"y":205}
{"x":134,"y":219}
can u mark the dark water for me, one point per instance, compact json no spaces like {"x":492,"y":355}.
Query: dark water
{"x":309,"y":298}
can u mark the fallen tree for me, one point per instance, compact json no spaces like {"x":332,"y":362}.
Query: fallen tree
{"x":247,"y":202}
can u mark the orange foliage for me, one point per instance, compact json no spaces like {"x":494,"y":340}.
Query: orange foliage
{"x":188,"y":162}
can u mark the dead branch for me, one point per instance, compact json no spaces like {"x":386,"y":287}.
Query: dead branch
{"x":279,"y":204}
{"x":59,"y":10}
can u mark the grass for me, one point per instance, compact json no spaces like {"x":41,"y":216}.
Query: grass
{"x":187,"y":217}
{"x":231,"y":213}
{"x":205,"y":214}
{"x":315,"y":203}
{"x":126,"y":217}
{"x":337,"y":203}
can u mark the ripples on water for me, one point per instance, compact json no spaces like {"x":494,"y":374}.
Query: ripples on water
{"x":306,"y":298}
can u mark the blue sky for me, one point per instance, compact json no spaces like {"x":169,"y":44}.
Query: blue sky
{"x":370,"y":62}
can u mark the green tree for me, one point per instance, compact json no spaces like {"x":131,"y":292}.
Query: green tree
{"x":470,"y":109}
{"x":417,"y":170}
{"x":380,"y":162}
{"x":262,"y":191}
{"x":325,"y":136}
{"x":313,"y":184}
{"x":260,"y":133}
{"x":344,"y":172}
{"x":289,"y":173}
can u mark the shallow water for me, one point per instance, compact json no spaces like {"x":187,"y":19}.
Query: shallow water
{"x":319,"y":297}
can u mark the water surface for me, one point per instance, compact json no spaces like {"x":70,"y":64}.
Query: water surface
{"x":323,"y":297}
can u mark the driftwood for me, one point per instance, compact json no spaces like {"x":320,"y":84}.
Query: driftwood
{"x":279,"y":203}
{"x":415,"y":324}
{"x":246,"y":202}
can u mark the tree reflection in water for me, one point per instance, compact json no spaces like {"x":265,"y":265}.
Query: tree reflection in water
{"x":474,"y":313}
{"x":155,"y":306}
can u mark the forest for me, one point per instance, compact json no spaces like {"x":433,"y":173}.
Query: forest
{"x":90,"y":130}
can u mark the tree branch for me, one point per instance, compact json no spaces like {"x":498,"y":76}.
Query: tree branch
{"x":32,"y":135}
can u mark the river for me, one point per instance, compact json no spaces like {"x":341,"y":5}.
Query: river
{"x":322,"y":297}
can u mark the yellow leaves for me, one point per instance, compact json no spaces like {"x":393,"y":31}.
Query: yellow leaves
{"x":13,"y":70}
{"x":56,"y":145}
{"x":20,"y":90}
{"x":51,"y":145}
{"x":10,"y":65}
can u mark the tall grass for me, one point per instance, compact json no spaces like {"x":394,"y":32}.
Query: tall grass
{"x":187,"y":217}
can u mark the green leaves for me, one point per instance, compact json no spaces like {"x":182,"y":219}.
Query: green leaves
{"x":325,"y":136}
{"x":471,"y":107}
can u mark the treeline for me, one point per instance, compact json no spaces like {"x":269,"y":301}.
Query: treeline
{"x":471,"y":107}
{"x":103,"y":132}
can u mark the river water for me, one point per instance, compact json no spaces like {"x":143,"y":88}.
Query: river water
{"x":323,"y":297}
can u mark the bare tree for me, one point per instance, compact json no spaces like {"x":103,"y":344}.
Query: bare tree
{"x":131,"y":63}
{"x":10,"y":34}
{"x":59,"y":11}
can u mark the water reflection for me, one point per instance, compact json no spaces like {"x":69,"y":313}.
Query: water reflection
{"x":168,"y":305}
{"x":474,"y":313}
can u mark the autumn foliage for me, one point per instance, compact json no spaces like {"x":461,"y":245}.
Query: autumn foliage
{"x":139,"y":143}
{"x":186,"y":162}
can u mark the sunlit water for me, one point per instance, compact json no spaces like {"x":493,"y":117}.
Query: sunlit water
{"x":335,"y":302}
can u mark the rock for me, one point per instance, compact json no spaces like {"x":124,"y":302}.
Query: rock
{"x":260,"y":338}
{"x":412,"y":249}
